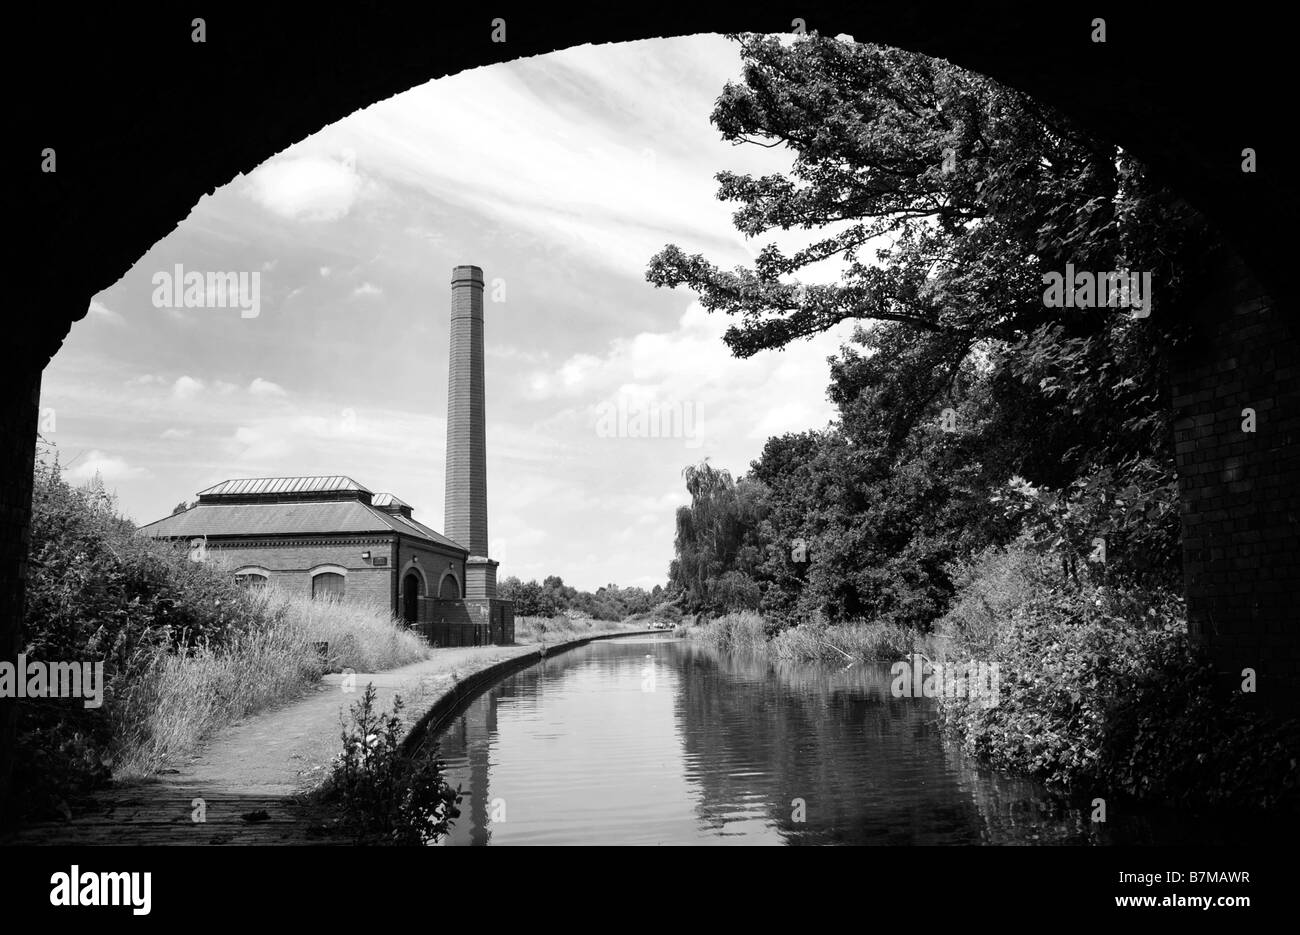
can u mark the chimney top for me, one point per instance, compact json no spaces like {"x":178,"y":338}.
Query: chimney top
{"x":464,"y":273}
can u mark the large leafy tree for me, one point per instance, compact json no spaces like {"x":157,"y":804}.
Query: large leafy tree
{"x":945,"y":198}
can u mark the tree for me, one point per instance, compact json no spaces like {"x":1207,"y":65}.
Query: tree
{"x":713,"y":534}
{"x":967,"y":194}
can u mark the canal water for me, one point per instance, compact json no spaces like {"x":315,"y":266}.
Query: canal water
{"x":653,"y":740}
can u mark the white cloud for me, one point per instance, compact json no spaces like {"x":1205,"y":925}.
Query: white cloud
{"x":309,"y":188}
{"x":104,"y":313}
{"x":146,"y":379}
{"x":367,"y":288}
{"x":259,"y":444}
{"x":690,"y":374}
{"x":172,"y":434}
{"x":108,"y":467}
{"x":186,"y":387}
{"x":260,"y":387}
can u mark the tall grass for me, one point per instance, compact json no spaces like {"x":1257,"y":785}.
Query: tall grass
{"x":991,"y":587}
{"x":743,"y":631}
{"x":559,"y":628}
{"x":180,"y":699}
{"x":868,"y":642}
{"x":748,"y":631}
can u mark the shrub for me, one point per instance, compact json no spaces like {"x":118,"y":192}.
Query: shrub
{"x":97,"y":591}
{"x":1101,"y":688}
{"x":385,"y":797}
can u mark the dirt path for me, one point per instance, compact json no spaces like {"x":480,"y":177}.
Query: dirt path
{"x":250,"y":777}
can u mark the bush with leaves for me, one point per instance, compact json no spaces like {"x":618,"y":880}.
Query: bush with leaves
{"x":386,"y":797}
{"x":99,"y":591}
{"x":1101,"y":689}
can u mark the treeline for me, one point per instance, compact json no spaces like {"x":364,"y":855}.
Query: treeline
{"x":553,"y":597}
{"x":972,"y":411}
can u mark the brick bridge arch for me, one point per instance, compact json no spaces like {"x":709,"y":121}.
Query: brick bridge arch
{"x":1185,"y":92}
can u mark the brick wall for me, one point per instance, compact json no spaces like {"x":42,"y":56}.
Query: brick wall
{"x":482,"y":578}
{"x":1240,"y":490}
{"x":291,"y":561}
{"x":433,"y":564}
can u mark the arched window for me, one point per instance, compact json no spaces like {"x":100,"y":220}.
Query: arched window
{"x":250,"y":580}
{"x":449,"y":587}
{"x":327,"y":585}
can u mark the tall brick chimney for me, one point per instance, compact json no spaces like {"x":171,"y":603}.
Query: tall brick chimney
{"x":466,"y":504}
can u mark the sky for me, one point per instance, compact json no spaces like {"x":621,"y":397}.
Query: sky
{"x":559,"y":175}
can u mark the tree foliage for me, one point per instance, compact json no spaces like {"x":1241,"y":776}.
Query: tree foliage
{"x":553,"y":597}
{"x":969,"y":407}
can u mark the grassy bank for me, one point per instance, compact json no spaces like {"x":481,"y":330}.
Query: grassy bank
{"x":747,"y":631}
{"x":559,"y":628}
{"x":178,"y":699}
{"x":185,"y":650}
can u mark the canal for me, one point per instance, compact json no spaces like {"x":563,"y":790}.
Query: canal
{"x":653,"y":740}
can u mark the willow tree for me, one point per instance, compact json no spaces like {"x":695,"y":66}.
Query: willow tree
{"x":712,"y":534}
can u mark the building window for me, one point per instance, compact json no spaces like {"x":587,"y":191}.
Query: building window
{"x":449,"y":587}
{"x":328,"y":585}
{"x":250,"y":580}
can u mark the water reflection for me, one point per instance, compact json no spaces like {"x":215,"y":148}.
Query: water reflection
{"x":660,"y":741}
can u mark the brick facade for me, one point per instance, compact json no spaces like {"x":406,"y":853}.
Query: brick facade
{"x":290,"y":562}
{"x":432,"y":566}
{"x":481,"y":577}
{"x":1240,"y":490}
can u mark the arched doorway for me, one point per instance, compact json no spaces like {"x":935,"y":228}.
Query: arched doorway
{"x":411,"y":597}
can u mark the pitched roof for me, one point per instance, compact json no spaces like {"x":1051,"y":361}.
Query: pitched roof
{"x":387,"y":499}
{"x":289,"y":519}
{"x":246,"y":486}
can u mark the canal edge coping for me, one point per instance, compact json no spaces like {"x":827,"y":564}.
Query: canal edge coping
{"x":461,"y":691}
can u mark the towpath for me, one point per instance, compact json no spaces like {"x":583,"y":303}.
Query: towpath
{"x":249,"y":781}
